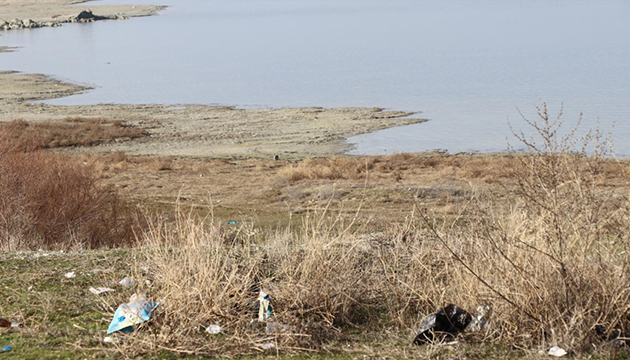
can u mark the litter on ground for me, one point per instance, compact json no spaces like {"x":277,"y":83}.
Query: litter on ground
{"x":267,"y":346}
{"x":264,"y":308}
{"x":443,"y":325}
{"x":213,"y":329}
{"x":126,"y":281}
{"x":100,"y":290}
{"x":135,"y":312}
{"x":557,"y":351}
{"x":8,"y":324}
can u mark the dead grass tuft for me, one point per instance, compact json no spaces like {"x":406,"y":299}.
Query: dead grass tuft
{"x":322,"y":281}
{"x":331,"y":169}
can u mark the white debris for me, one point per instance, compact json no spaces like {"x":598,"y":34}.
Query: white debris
{"x":111,"y":340}
{"x":100,"y":290}
{"x":70,"y":275}
{"x":557,"y":351}
{"x":267,"y":346}
{"x":126,"y":281}
{"x":213,"y":329}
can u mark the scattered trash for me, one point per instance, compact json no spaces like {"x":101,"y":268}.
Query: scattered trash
{"x":277,"y":328}
{"x":213,"y":329}
{"x":126,"y":281}
{"x":8,"y":324}
{"x":480,"y":318}
{"x":443,"y":325}
{"x":70,"y":275}
{"x":100,"y":290}
{"x":6,"y":349}
{"x":264,"y":308}
{"x":267,"y":346}
{"x":557,"y":351}
{"x":137,"y":311}
{"x":232,"y":222}
{"x":111,"y":340}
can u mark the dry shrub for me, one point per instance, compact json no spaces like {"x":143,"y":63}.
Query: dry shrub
{"x":331,"y":169}
{"x":322,"y":281}
{"x":553,"y":260}
{"x":54,"y":201}
{"x":29,"y":136}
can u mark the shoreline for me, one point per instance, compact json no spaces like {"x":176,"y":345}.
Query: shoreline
{"x":191,"y":130}
{"x":16,"y":15}
{"x":187,"y":130}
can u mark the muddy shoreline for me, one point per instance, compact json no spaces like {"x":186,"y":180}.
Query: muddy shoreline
{"x":186,"y":129}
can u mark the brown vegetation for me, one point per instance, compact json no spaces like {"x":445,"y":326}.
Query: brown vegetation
{"x":29,"y":136}
{"x":550,"y":255}
{"x":55,"y":201}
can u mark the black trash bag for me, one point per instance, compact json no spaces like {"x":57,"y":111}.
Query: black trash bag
{"x":616,"y":334}
{"x":443,"y":325}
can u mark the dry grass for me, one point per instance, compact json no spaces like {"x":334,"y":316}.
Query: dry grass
{"x":551,"y":256}
{"x":55,"y":201}
{"x":468,"y":167}
{"x":322,"y":282}
{"x":31,"y":136}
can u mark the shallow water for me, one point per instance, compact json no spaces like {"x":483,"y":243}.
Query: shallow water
{"x":466,"y":65}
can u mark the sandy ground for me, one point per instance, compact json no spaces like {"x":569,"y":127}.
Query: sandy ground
{"x":202,"y":131}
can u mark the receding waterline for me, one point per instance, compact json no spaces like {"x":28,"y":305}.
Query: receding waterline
{"x":465,"y":65}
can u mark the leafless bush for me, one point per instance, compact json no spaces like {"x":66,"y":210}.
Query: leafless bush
{"x":553,"y":257}
{"x":55,"y":201}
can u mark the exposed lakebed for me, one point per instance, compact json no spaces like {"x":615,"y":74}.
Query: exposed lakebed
{"x":466,"y":65}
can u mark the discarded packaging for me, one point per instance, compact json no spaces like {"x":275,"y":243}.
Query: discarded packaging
{"x":100,"y":290}
{"x":6,"y":349}
{"x":137,"y":311}
{"x":111,"y":340}
{"x":213,"y":329}
{"x":232,"y":222}
{"x":480,"y":319}
{"x":443,"y":325}
{"x":264,"y":308}
{"x":267,"y":346}
{"x":8,"y":324}
{"x":126,"y":282}
{"x":70,"y":275}
{"x":557,"y":351}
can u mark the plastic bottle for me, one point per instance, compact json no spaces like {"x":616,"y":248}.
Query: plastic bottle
{"x":6,"y":323}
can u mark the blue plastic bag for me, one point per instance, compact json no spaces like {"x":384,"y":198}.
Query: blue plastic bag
{"x":135,"y":312}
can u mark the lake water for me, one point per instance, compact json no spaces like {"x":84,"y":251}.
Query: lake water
{"x":466,"y":65}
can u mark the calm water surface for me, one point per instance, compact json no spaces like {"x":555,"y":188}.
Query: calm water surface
{"x":465,"y":64}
